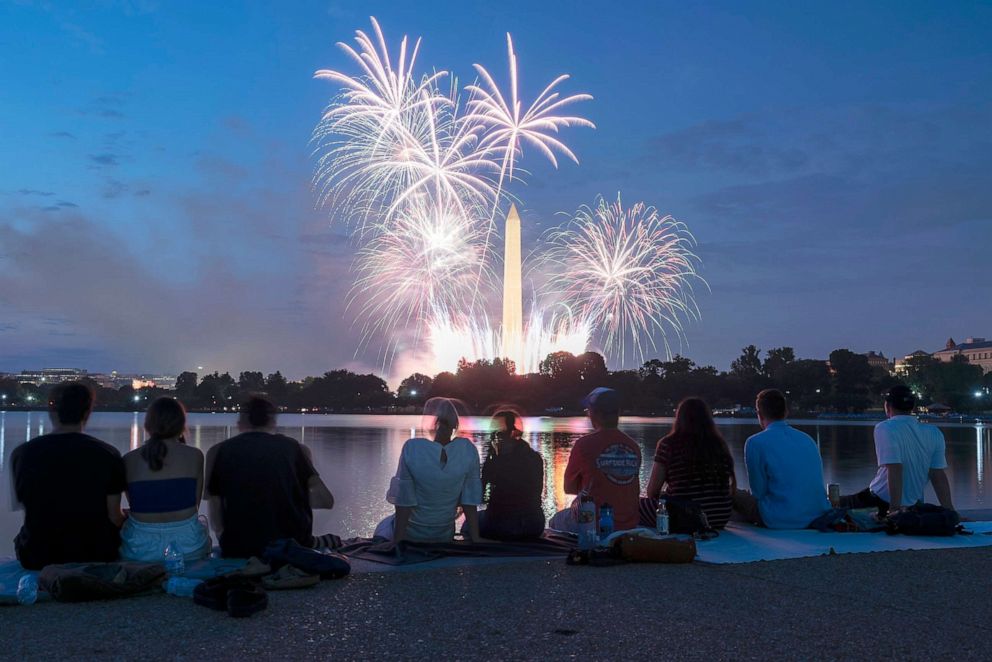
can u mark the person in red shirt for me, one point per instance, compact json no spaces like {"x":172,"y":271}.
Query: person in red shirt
{"x":605,"y":465}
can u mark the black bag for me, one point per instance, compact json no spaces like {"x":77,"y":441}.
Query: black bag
{"x":924,"y":519}
{"x":687,"y":516}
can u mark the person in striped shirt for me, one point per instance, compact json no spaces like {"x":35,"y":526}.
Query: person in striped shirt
{"x":694,"y":463}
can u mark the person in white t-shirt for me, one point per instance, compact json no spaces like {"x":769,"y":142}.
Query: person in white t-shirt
{"x":910,"y":454}
{"x":433,"y":480}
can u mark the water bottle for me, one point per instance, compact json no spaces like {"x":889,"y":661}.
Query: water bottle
{"x":605,"y":521}
{"x":587,"y":522}
{"x":27,"y":589}
{"x":175,"y":562}
{"x":181,"y":586}
{"x":661,"y":518}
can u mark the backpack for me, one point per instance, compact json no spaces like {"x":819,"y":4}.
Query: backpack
{"x":924,"y":519}
{"x":687,"y":516}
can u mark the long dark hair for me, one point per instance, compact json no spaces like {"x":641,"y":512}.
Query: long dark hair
{"x":694,"y":433}
{"x":165,"y":419}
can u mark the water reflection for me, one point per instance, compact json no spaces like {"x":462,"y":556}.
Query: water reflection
{"x":357,"y":455}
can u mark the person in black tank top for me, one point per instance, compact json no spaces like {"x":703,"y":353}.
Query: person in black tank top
{"x":513,"y":476}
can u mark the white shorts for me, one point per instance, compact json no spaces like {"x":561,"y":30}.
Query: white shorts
{"x":146,"y":541}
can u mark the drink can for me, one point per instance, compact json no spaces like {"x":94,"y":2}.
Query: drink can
{"x":833,"y":493}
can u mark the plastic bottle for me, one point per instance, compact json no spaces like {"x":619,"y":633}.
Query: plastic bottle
{"x":661,"y":518}
{"x":175,"y":563}
{"x":587,"y":522}
{"x":605,"y":521}
{"x":181,"y":586}
{"x":27,"y":589}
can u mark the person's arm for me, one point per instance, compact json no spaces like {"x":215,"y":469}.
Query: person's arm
{"x":573,"y":472}
{"x":657,"y":480}
{"x":15,"y":502}
{"x":755,"y":465}
{"x":215,"y":503}
{"x":199,"y":478}
{"x":942,"y":487}
{"x":894,"y":474}
{"x":114,"y":510}
{"x":320,"y":496}
{"x":472,"y":520}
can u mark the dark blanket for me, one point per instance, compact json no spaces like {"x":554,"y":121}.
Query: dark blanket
{"x":78,"y":582}
{"x":551,"y":544}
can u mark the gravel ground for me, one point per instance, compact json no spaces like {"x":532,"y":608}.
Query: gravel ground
{"x":899,"y":605}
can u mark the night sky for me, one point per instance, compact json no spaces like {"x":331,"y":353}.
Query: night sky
{"x":834,"y":161}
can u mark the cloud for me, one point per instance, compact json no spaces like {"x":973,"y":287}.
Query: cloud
{"x":105,"y":159}
{"x":142,"y":192}
{"x":62,"y":134}
{"x":65,"y":203}
{"x":741,"y":146}
{"x":113,"y":188}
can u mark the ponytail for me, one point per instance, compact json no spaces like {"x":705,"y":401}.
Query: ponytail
{"x":154,"y":452}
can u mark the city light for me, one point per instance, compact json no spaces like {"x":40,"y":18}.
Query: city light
{"x":137,"y":398}
{"x":412,"y":393}
{"x":978,"y":394}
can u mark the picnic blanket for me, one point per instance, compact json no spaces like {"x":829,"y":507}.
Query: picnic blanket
{"x":377,"y":550}
{"x":743,"y":543}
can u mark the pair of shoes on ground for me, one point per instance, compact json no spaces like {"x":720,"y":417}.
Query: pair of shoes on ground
{"x":238,"y":596}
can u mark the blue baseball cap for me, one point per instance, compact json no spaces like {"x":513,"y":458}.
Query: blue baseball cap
{"x":602,"y":399}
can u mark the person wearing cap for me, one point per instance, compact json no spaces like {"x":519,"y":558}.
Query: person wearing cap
{"x":909,"y":453}
{"x":784,"y":470}
{"x":605,"y":464}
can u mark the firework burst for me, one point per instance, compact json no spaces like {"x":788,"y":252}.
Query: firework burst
{"x":628,"y":271}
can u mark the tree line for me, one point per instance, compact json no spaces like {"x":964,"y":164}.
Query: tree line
{"x":845,"y":383}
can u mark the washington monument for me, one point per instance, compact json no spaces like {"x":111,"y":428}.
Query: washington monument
{"x":513,"y":307}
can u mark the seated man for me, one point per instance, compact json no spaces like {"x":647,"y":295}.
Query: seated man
{"x":263,"y":486}
{"x":784,"y":469}
{"x":909,"y":455}
{"x":605,"y":465}
{"x":69,"y":485}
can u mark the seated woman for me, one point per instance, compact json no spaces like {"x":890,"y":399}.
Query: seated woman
{"x":514,"y":474}
{"x":433,"y":479}
{"x":164,"y":486}
{"x":692,"y":462}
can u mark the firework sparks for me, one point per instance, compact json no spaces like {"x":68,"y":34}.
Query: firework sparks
{"x":628,"y":271}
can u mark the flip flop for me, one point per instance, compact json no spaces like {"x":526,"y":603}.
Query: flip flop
{"x":254,"y":568}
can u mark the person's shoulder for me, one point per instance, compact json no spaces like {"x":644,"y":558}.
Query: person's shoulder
{"x":103,"y":446}
{"x":187,"y":451}
{"x":886,"y":425}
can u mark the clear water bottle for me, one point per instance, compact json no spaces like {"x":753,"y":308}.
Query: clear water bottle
{"x":181,"y":586}
{"x":661,"y":518}
{"x":605,"y":521}
{"x":175,"y":562}
{"x":587,"y":522}
{"x":27,"y":589}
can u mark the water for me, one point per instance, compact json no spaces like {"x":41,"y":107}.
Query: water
{"x":357,"y":455}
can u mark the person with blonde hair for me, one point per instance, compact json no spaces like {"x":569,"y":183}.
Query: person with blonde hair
{"x":433,"y":479}
{"x":164,"y":488}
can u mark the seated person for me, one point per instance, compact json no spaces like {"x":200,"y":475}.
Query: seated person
{"x":693,"y":463}
{"x":784,"y":469}
{"x":69,"y":485}
{"x":910,"y":454}
{"x":263,"y":486}
{"x":164,"y":486}
{"x":604,"y":465}
{"x":433,"y":479}
{"x":514,"y":474}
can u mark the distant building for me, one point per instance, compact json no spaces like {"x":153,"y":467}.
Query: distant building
{"x":878,"y":360}
{"x":167,"y":382}
{"x":51,"y":376}
{"x":902,"y":365}
{"x":978,"y":351}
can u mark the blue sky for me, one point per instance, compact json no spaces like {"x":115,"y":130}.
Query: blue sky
{"x":834,"y":160}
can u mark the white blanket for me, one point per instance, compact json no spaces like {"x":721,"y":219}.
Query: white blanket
{"x":742,"y":543}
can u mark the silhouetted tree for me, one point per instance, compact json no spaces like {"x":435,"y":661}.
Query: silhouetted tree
{"x":251,"y":382}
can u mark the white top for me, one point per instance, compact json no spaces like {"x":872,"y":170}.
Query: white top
{"x":918,"y":447}
{"x":433,"y":491}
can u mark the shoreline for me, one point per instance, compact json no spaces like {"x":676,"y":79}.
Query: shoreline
{"x":906,"y":605}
